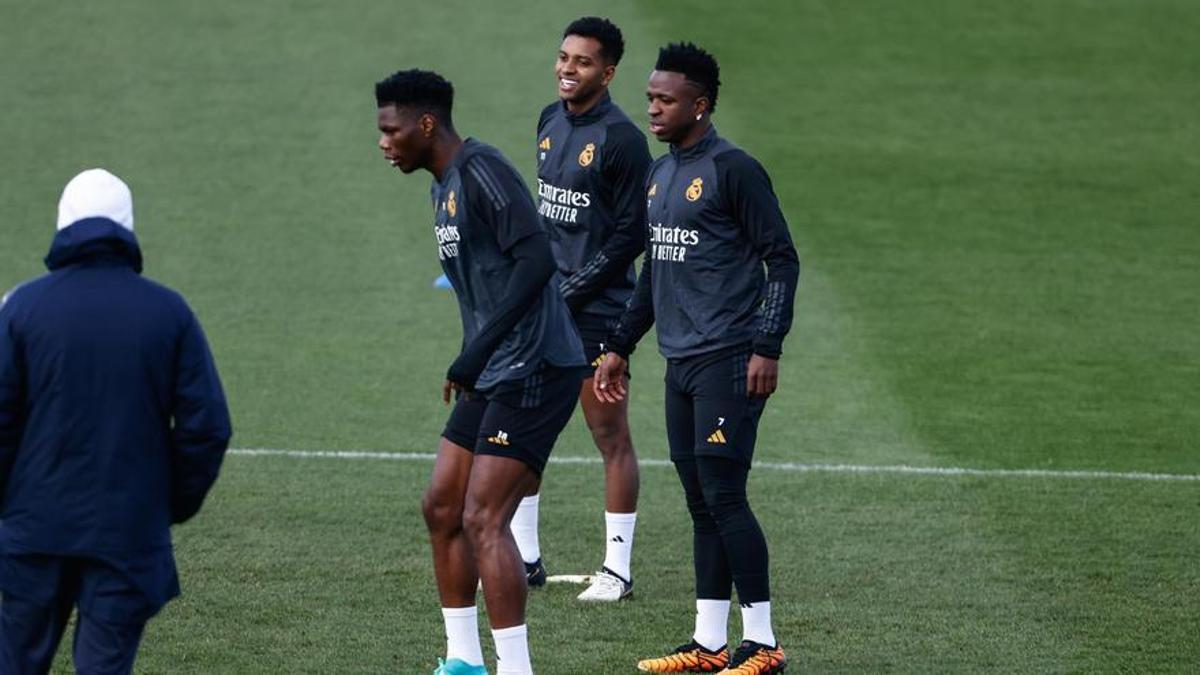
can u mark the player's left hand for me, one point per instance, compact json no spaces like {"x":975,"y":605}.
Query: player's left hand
{"x":762,"y":376}
{"x":466,"y":370}
{"x":448,"y":387}
{"x":608,"y":382}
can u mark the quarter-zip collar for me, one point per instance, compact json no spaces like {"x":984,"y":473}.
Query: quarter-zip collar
{"x":701,"y":148}
{"x":593,"y":114}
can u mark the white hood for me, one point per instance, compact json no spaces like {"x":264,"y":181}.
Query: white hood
{"x":96,"y":193}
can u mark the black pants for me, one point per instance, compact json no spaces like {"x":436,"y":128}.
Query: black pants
{"x":712,"y":427}
{"x":112,"y":616}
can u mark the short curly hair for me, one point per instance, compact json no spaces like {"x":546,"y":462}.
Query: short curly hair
{"x":422,"y":89}
{"x":697,"y":65}
{"x":612,"y":43}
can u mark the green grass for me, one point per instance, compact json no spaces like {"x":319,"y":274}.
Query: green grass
{"x":872,"y":573}
{"x":995,"y":204}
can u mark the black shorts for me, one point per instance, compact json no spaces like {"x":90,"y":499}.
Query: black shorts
{"x":520,"y":420}
{"x":594,"y":335}
{"x":708,"y":411}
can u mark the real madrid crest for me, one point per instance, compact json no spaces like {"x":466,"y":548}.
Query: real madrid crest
{"x":451,"y":204}
{"x":695,"y":189}
{"x":588,"y":154}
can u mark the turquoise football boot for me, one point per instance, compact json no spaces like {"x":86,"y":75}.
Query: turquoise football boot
{"x":458,"y":667}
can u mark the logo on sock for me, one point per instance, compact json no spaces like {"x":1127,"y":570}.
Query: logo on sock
{"x":619,"y":539}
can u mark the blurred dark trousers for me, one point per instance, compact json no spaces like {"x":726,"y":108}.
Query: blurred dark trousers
{"x":41,"y":593}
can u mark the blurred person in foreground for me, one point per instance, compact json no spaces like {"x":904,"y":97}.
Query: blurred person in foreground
{"x":113,"y":425}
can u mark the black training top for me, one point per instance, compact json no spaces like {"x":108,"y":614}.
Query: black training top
{"x":714,"y":221}
{"x":591,"y":173}
{"x":482,"y":210}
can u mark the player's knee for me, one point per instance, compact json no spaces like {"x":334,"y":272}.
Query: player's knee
{"x":702,"y":519}
{"x":613,"y":439}
{"x":723,"y":499}
{"x":729,"y":509}
{"x":481,"y":522}
{"x":441,"y":513}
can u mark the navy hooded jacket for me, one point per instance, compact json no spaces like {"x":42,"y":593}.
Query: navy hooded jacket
{"x":113,"y":423}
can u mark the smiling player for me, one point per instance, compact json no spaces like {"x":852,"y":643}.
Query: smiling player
{"x":592,"y":163}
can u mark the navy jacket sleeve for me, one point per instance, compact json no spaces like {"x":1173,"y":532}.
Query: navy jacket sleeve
{"x":752,"y":201}
{"x":12,"y":396}
{"x":200,"y":429}
{"x":626,"y":159}
{"x":639,"y":313}
{"x":497,"y":194}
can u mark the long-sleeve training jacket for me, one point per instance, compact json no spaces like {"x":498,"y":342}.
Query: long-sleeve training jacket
{"x":591,"y":172}
{"x":113,"y":423}
{"x":713,"y":223}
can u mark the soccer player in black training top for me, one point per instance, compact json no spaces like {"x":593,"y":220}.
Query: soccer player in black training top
{"x":592,"y":163}
{"x":517,"y":377}
{"x":713,"y":222}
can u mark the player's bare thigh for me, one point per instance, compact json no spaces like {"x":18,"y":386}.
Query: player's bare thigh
{"x":447,"y":491}
{"x":608,"y":422}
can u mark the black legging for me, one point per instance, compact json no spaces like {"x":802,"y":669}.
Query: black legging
{"x":728,"y":545}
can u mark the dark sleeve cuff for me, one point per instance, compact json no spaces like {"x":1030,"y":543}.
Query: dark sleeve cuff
{"x":464,"y":372}
{"x":619,"y":347}
{"x":769,"y":346}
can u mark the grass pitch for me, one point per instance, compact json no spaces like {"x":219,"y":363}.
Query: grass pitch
{"x":995,"y":204}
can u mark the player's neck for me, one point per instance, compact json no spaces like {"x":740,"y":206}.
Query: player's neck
{"x":447,"y":146}
{"x":583,"y":107}
{"x":695,"y":134}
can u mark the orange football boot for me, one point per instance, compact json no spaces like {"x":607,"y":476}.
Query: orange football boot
{"x":689,"y":658}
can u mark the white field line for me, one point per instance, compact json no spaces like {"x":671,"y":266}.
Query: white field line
{"x":768,"y":466}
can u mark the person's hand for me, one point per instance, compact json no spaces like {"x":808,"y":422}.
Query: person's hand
{"x":448,"y":387}
{"x":762,"y":376}
{"x":609,"y":381}
{"x":464,"y":372}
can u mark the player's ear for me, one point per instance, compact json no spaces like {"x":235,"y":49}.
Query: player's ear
{"x":428,"y":124}
{"x":609,"y":71}
{"x":700,"y":106}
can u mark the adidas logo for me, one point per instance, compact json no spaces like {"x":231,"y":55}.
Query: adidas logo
{"x":545,"y":144}
{"x":501,"y":438}
{"x":717,"y":437}
{"x":598,"y":361}
{"x":618,"y":539}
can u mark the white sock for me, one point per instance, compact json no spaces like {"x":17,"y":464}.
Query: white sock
{"x":756,"y":623}
{"x":462,"y":634}
{"x":512,"y":651}
{"x":525,"y":529}
{"x":712,"y":618}
{"x":619,"y":546}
